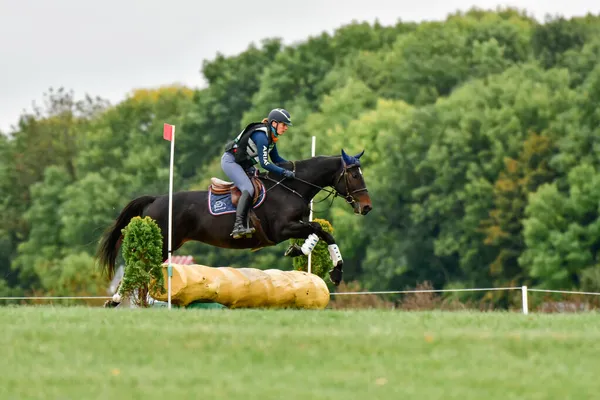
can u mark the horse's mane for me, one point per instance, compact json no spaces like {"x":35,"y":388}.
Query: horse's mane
{"x":303,"y":163}
{"x":300,"y":164}
{"x":309,"y":161}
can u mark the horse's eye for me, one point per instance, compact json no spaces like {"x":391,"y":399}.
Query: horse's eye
{"x":355,"y":175}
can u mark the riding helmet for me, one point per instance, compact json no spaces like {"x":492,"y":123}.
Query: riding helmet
{"x":280,"y":115}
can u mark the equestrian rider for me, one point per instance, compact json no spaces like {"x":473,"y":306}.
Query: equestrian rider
{"x":254,"y":145}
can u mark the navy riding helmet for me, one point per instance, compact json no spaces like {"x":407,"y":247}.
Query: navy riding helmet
{"x":280,"y":115}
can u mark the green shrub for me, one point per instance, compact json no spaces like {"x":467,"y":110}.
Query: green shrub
{"x":320,"y":259}
{"x":142,"y":251}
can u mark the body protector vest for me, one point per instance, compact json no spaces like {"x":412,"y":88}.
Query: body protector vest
{"x":243,"y":147}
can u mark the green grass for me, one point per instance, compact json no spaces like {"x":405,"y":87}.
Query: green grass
{"x":92,"y":353}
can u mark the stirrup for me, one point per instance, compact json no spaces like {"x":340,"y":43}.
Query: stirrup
{"x":239,"y":230}
{"x":247,"y":232}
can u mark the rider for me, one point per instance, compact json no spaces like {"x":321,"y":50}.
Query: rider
{"x":253,"y":146}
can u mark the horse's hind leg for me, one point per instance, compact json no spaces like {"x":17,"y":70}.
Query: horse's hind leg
{"x":314,"y":231}
{"x":116,"y":299}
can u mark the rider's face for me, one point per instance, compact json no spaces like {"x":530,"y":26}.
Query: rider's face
{"x":281,"y":127}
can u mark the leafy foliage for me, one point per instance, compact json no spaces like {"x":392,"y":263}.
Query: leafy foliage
{"x":481,"y":136}
{"x":320,"y":260}
{"x":142,"y":251}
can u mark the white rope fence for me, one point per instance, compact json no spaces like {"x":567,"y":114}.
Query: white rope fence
{"x":563,"y":291}
{"x":524,"y":290}
{"x":428,"y":291}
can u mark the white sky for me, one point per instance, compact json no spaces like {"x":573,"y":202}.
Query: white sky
{"x":107,"y":48}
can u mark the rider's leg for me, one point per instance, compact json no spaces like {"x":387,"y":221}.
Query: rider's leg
{"x":238,"y":176}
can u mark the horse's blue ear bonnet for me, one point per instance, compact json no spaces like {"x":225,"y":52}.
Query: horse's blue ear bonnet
{"x":351,"y":160}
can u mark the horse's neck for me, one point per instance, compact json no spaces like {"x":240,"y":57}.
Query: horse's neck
{"x":320,"y":172}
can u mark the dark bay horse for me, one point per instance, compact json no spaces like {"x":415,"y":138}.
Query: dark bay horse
{"x":282,"y":215}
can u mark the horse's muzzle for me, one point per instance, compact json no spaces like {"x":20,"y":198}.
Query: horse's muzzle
{"x":362,"y":208}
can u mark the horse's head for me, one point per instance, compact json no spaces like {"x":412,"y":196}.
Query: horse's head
{"x":351,"y":184}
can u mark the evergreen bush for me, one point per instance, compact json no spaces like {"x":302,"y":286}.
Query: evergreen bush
{"x":320,"y":259}
{"x":142,"y":251}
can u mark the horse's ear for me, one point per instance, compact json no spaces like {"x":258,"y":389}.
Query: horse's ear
{"x":346,"y":158}
{"x":359,"y":155}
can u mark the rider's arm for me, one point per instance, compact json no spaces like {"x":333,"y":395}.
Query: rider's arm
{"x":262,"y":147}
{"x":277,"y":159}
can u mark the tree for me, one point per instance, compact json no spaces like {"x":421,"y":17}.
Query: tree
{"x":473,"y":128}
{"x":557,"y":35}
{"x":562,"y":231}
{"x":504,"y":230}
{"x":142,"y":251}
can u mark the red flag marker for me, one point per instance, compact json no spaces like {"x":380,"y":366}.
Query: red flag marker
{"x":168,"y":132}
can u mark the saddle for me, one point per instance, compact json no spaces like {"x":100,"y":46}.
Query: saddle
{"x":219,"y":186}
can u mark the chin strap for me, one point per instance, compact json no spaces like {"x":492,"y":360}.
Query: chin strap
{"x":274,"y":134}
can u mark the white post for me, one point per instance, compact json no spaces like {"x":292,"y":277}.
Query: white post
{"x":310,"y":215}
{"x":170,"y":268}
{"x":524,"y":300}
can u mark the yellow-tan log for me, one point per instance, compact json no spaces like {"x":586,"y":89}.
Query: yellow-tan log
{"x":244,"y":287}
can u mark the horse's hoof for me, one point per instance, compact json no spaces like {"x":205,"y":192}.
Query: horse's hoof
{"x":110,"y":304}
{"x":336,"y":274}
{"x":293,"y":251}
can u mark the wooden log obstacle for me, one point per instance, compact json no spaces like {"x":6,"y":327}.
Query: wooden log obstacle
{"x":244,"y":287}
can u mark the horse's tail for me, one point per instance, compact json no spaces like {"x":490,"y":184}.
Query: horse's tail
{"x":110,"y":242}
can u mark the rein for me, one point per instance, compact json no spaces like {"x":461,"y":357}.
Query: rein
{"x":348,"y":197}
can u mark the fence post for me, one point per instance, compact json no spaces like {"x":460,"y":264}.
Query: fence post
{"x":524,"y":300}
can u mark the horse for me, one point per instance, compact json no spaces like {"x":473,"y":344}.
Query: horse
{"x":279,"y":211}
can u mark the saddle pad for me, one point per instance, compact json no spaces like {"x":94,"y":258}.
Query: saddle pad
{"x":219,"y":204}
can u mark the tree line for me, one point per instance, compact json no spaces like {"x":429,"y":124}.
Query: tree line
{"x":481,"y":135}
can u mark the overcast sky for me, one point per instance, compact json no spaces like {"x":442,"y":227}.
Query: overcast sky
{"x":107,"y":48}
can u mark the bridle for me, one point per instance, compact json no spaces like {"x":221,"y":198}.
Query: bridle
{"x":349,"y":196}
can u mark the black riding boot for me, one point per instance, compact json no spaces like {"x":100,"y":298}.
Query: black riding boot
{"x":240,"y":227}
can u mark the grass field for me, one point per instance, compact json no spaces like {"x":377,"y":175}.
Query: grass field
{"x":91,"y":353}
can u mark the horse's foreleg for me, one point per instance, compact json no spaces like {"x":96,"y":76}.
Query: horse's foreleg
{"x":334,"y":253}
{"x":314,"y":231}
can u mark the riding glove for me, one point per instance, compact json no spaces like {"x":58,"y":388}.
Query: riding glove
{"x":288,"y":174}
